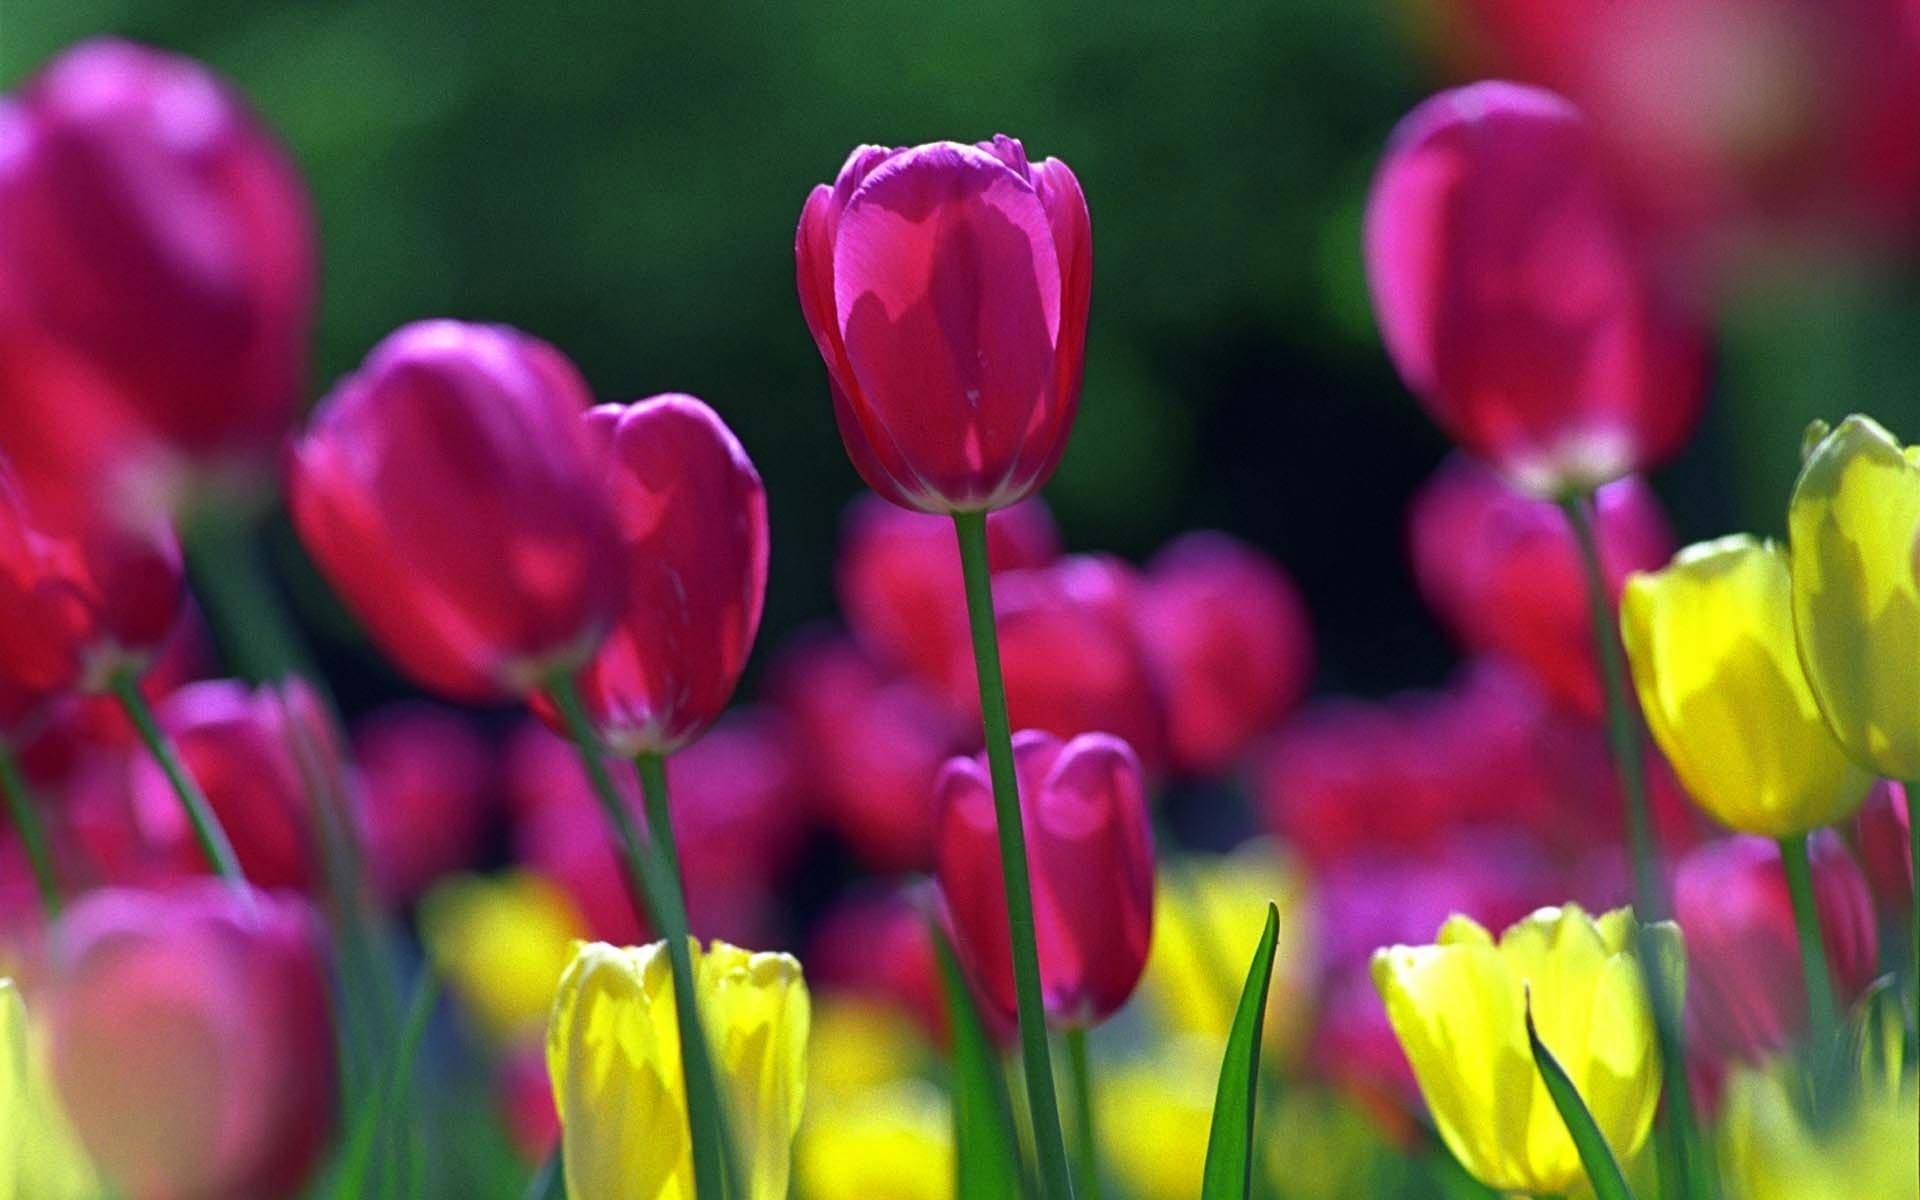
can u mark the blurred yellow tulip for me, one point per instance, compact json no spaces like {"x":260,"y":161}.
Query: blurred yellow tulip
{"x":1711,"y":642}
{"x":613,"y":1052}
{"x":1208,"y":912}
{"x":40,"y":1155}
{"x":1851,"y":525}
{"x":1155,"y":1114}
{"x":1459,"y":1009}
{"x":892,"y":1141}
{"x":501,"y":943}
{"x":858,"y":1043}
{"x":1768,"y":1152}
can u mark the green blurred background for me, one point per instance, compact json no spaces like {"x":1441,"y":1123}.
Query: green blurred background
{"x":623,"y":179}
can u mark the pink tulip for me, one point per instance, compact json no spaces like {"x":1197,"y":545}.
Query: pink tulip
{"x":899,"y":577}
{"x":448,"y":490}
{"x":946,"y":287}
{"x":157,"y":229}
{"x":692,"y":518}
{"x":426,"y":787}
{"x":45,"y":623}
{"x":1083,"y":804}
{"x":1515,"y":298}
{"x":1885,"y":838}
{"x":1745,"y":995}
{"x":192,"y":1041}
{"x":1502,"y":572}
{"x":1226,"y":635}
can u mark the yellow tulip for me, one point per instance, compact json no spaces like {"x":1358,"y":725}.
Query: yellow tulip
{"x":1852,"y":522}
{"x":1208,"y":913}
{"x":1767,"y":1151}
{"x":858,"y":1043}
{"x":1710,"y":638}
{"x":501,"y":944}
{"x":1458,"y":1008}
{"x":613,"y":1052}
{"x":40,"y":1155}
{"x":1155,"y":1114}
{"x":893,"y":1141}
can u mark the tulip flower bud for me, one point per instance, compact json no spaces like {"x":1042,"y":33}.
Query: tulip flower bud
{"x":1746,"y":999}
{"x":614,"y":1056}
{"x":192,"y":1041}
{"x":1083,"y":804}
{"x":1226,"y":636}
{"x":448,"y":490}
{"x":946,"y":287}
{"x":1459,"y":1008}
{"x":899,"y":577}
{"x":894,"y":1140}
{"x":1502,"y":571}
{"x":1515,"y":299}
{"x":502,"y":944}
{"x":692,"y":519}
{"x":157,"y":229}
{"x":1711,"y":642}
{"x":238,"y":744}
{"x":1852,"y":524}
{"x":1885,"y":841}
{"x":1071,"y":656}
{"x":45,"y":624}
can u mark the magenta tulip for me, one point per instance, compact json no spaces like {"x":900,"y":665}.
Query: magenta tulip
{"x":1502,"y":571}
{"x":191,"y":1040}
{"x":692,"y":520}
{"x":1083,"y":803}
{"x":1225,"y":633}
{"x":450,"y":493}
{"x":946,"y":286}
{"x":1745,"y":997}
{"x":1884,"y":834}
{"x":425,"y":797}
{"x":45,"y":624}
{"x":156,"y":228}
{"x":1515,"y":297}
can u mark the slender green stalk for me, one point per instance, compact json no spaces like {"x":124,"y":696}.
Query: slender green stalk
{"x":658,"y":886}
{"x":390,"y":1108}
{"x":1049,"y":1142}
{"x":1822,"y":1019}
{"x":33,"y":836}
{"x":206,"y":825}
{"x":1683,"y":1150}
{"x":1086,"y":1156}
{"x":231,"y":580}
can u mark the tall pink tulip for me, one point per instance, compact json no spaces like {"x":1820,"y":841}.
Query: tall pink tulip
{"x":946,"y":286}
{"x":1745,"y":998}
{"x":44,"y":621}
{"x":1502,"y":571}
{"x":1516,"y":298}
{"x":1083,"y":803}
{"x":155,"y":227}
{"x":1225,"y":633}
{"x":448,"y":491}
{"x":192,"y":1040}
{"x":692,"y":521}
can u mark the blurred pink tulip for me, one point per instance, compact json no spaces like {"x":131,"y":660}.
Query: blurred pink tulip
{"x":1226,"y":635}
{"x":191,"y":1040}
{"x":426,"y":787}
{"x":1083,"y":803}
{"x":946,"y":287}
{"x":1745,"y":996}
{"x":1516,"y":298}
{"x":447,"y":489}
{"x":157,"y":229}
{"x":1885,"y":838}
{"x":899,"y":577}
{"x":1502,"y":572}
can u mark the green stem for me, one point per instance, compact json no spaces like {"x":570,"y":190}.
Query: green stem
{"x":232,"y":581}
{"x":1683,"y":1150}
{"x":1911,"y":793}
{"x":1822,"y":1021}
{"x":1050,"y":1143}
{"x":1086,"y":1150}
{"x":206,"y":825}
{"x":658,"y":886}
{"x":33,"y":836}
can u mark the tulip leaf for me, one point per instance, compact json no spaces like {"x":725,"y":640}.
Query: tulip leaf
{"x":388,"y":1107}
{"x":1229,"y":1170}
{"x":986,"y":1149}
{"x":1603,"y":1170}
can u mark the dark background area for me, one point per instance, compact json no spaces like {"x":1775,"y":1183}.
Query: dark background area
{"x":623,"y":179}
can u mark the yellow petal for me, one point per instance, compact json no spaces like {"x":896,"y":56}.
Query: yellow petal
{"x":40,"y":1154}
{"x":1768,"y":1152}
{"x":1155,"y":1115}
{"x":1711,"y":642}
{"x":757,"y":1012}
{"x":501,"y":944}
{"x":1852,"y":523}
{"x":892,"y":1142}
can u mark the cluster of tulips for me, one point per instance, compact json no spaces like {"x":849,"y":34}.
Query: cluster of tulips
{"x":204,"y":888}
